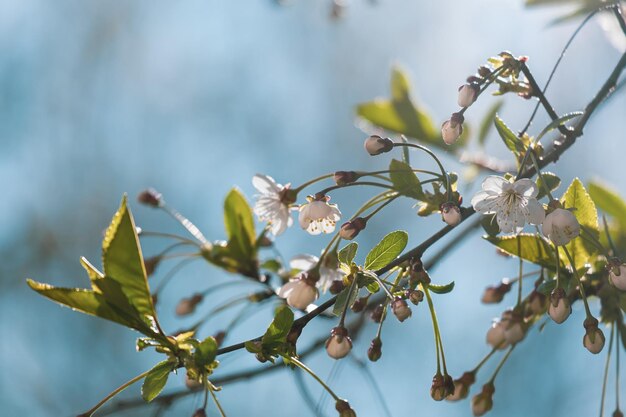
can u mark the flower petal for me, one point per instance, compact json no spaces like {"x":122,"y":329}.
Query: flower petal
{"x":526,"y":188}
{"x":536,"y":214}
{"x":488,"y":205}
{"x":265,"y":184}
{"x":303,"y":262}
{"x":494,"y":183}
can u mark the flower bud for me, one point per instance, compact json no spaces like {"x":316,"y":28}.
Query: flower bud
{"x":377,"y":313}
{"x":483,"y":402}
{"x":617,"y":274}
{"x":560,"y":226}
{"x":559,"y":308}
{"x":219,"y":337}
{"x":400,"y":309}
{"x":192,"y":384}
{"x":467,"y":94}
{"x":151,"y":264}
{"x":438,"y":388}
{"x":345,"y":177}
{"x":451,"y":214}
{"x":618,"y":413}
{"x":493,"y":295}
{"x":495,"y":335}
{"x":336,"y":286}
{"x":300,"y":292}
{"x":150,"y":197}
{"x":375,"y":350}
{"x":339,"y":344}
{"x":360,"y":304}
{"x":462,"y":386}
{"x":448,"y":384}
{"x":594,"y":339}
{"x":349,"y":230}
{"x":515,"y":330}
{"x":484,"y":71}
{"x":344,"y":409}
{"x":415,"y":296}
{"x":452,"y":128}
{"x":199,"y":413}
{"x":375,"y":145}
{"x":537,"y":302}
{"x":187,"y":306}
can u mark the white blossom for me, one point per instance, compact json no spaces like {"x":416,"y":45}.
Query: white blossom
{"x":329,"y":270}
{"x":318,"y":216}
{"x":560,"y":226}
{"x":298,"y":292}
{"x":272,"y":203}
{"x":514,"y":203}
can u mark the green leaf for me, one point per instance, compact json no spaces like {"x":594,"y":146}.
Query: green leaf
{"x":239,"y":225}
{"x":534,"y":248}
{"x":585,"y":211}
{"x":347,"y":295}
{"x":386,"y":250}
{"x":123,"y":262}
{"x":509,"y":138}
{"x":206,"y":352}
{"x":558,"y":122}
{"x":488,"y":121}
{"x":155,"y":380}
{"x":441,"y":289}
{"x":271,"y":265}
{"x":552,"y":182}
{"x":279,"y":328}
{"x":347,"y":254}
{"x":401,"y":115}
{"x":609,"y":201}
{"x":404,"y":180}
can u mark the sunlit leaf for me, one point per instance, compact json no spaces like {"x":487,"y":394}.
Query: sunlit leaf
{"x":552,"y":182}
{"x":509,"y":138}
{"x":347,"y":254}
{"x":345,"y":299}
{"x":155,"y":380}
{"x":239,"y":224}
{"x":609,"y":201}
{"x":404,"y":180}
{"x":279,"y":328}
{"x":206,"y":352}
{"x":534,"y":248}
{"x":386,"y":250}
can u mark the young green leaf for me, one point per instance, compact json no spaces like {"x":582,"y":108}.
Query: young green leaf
{"x":386,"y":250}
{"x":558,"y":122}
{"x":347,"y":295}
{"x":609,"y":201}
{"x":404,"y":180}
{"x":279,"y":328}
{"x":552,"y":182}
{"x":239,"y":225}
{"x":441,"y":289}
{"x":123,"y":262}
{"x":509,"y":138}
{"x":347,"y":254}
{"x":585,"y":211}
{"x":205,"y":352}
{"x":155,"y":380}
{"x":535,"y":249}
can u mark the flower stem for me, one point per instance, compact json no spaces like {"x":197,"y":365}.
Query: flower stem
{"x":438,"y":343}
{"x":608,"y":236}
{"x":380,"y":207}
{"x":347,"y":304}
{"x":216,"y":401}
{"x":313,"y":181}
{"x":580,"y":284}
{"x":114,"y":393}
{"x":444,"y":174}
{"x":484,"y":360}
{"x":314,"y":375}
{"x":540,"y":174}
{"x":354,"y":184}
{"x":504,"y":359}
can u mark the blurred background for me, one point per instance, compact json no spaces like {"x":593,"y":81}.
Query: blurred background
{"x":98,"y":99}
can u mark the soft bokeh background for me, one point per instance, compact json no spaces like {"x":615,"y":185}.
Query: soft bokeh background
{"x":102,"y":98}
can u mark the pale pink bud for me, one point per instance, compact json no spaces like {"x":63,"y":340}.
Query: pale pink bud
{"x":560,"y":308}
{"x":483,"y":402}
{"x":495,"y":335}
{"x":451,"y":214}
{"x":452,"y":128}
{"x":339,"y":344}
{"x":514,"y":331}
{"x":560,"y":226}
{"x":594,"y":346}
{"x":400,"y":309}
{"x":351,"y":229}
{"x":617,"y":276}
{"x":375,"y":145}
{"x":462,"y":386}
{"x":467,"y":94}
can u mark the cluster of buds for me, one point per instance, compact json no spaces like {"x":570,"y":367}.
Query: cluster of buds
{"x":594,"y":339}
{"x":508,"y":330}
{"x":495,"y":294}
{"x":617,"y":273}
{"x":560,"y":307}
{"x":560,"y":225}
{"x":187,"y":306}
{"x":350,"y":229}
{"x":442,"y":387}
{"x":375,"y":145}
{"x":339,"y":344}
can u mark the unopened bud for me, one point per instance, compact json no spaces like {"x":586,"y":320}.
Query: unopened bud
{"x":483,"y":402}
{"x":360,"y":304}
{"x":415,"y":296}
{"x":467,"y":94}
{"x":192,"y":384}
{"x":339,"y":344}
{"x":151,"y":264}
{"x":462,"y":386}
{"x":438,"y":388}
{"x":375,"y":145}
{"x":188,"y":305}
{"x":345,"y":177}
{"x":219,"y":337}
{"x":560,"y":226}
{"x":377,"y":313}
{"x":452,"y":128}
{"x":400,"y":309}
{"x":484,"y":71}
{"x":618,"y":413}
{"x":150,"y":197}
{"x":495,"y":294}
{"x":375,"y":350}
{"x":495,"y":335}
{"x":594,"y":339}
{"x":344,"y":409}
{"x":617,"y":274}
{"x":537,"y":302}
{"x":451,"y":214}
{"x":352,"y":228}
{"x":515,"y":330}
{"x":199,"y":413}
{"x":448,"y":384}
{"x":559,"y":308}
{"x":336,"y":287}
